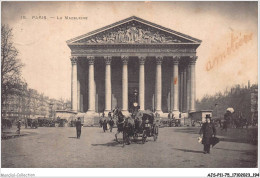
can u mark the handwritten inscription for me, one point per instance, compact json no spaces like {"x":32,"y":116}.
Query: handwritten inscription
{"x":175,"y":80}
{"x":53,"y":17}
{"x":236,"y":41}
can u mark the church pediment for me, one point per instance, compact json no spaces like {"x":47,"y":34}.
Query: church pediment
{"x":133,"y":31}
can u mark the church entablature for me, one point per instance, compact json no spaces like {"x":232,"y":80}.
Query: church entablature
{"x":165,"y":51}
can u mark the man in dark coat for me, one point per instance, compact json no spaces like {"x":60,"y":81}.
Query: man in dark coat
{"x":19,"y":126}
{"x":105,"y":125}
{"x":78,"y":127}
{"x":208,"y":130}
{"x":111,"y":124}
{"x":227,"y":120}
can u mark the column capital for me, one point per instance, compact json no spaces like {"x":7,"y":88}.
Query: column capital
{"x":193,"y":60}
{"x":159,"y":60}
{"x":74,"y":60}
{"x":91,"y":60}
{"x":141,"y":60}
{"x":125,"y":59}
{"x":176,"y":60}
{"x":108,"y":59}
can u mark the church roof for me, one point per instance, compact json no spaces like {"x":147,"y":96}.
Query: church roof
{"x":182,"y":37}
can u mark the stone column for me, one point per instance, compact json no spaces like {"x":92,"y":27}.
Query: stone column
{"x":192,"y":83}
{"x":188,"y":87}
{"x":141,"y":83}
{"x":125,"y":85}
{"x":176,"y":83}
{"x":158,"y":85}
{"x":108,"y":88}
{"x":91,"y":84}
{"x":181,"y":91}
{"x":78,"y":93}
{"x":74,"y":84}
{"x":184,"y":108}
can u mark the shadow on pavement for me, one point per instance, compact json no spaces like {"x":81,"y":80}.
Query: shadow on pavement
{"x":72,"y":137}
{"x":10,"y":135}
{"x":191,"y":151}
{"x":108,"y":144}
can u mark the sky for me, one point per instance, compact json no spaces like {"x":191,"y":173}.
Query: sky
{"x":42,"y":42}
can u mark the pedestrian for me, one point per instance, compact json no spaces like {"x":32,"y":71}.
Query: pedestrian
{"x":19,"y":126}
{"x":227,"y":119}
{"x":26,"y":123}
{"x":170,"y":119}
{"x":78,"y":127}
{"x":101,"y":122}
{"x":105,"y":125}
{"x":111,"y":124}
{"x":208,"y":130}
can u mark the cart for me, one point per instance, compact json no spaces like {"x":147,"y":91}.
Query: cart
{"x":148,"y":127}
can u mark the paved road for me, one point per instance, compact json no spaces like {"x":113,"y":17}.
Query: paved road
{"x":175,"y":148}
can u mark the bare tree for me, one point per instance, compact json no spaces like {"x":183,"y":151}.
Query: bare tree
{"x":10,"y":64}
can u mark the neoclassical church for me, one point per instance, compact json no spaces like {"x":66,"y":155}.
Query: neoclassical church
{"x":133,"y":59}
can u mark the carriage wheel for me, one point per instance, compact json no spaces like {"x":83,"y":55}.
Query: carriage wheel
{"x":144,"y":137}
{"x":128,"y":140}
{"x":155,"y":135}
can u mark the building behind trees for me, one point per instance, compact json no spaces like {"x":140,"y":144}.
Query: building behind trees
{"x":243,"y":99}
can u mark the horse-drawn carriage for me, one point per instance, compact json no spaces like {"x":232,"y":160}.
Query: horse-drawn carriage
{"x":147,"y":127}
{"x":33,"y":123}
{"x":142,"y":124}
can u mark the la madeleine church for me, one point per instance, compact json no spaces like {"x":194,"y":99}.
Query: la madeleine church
{"x":133,"y":57}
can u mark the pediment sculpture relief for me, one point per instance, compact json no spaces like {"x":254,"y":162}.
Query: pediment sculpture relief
{"x":133,"y":34}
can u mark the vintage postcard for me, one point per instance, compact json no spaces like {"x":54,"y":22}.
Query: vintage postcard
{"x":129,"y":85}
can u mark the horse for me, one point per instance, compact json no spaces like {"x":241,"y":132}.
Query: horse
{"x":128,"y":129}
{"x":118,"y":116}
{"x":125,"y":125}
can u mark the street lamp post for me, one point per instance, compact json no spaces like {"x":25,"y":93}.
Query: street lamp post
{"x":51,"y":105}
{"x":135,"y":101}
{"x":135,"y":96}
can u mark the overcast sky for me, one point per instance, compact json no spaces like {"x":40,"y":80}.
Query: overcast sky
{"x":43,"y":49}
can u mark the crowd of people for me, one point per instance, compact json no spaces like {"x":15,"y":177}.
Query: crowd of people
{"x":107,"y":123}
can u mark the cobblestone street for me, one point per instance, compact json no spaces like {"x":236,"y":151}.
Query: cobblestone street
{"x":175,"y":148}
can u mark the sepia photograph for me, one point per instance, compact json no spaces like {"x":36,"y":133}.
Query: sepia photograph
{"x":170,"y":84}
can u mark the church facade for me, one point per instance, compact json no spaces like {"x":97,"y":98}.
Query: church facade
{"x":133,"y":60}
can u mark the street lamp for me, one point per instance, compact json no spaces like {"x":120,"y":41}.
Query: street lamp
{"x":135,"y":101}
{"x":135,"y":95}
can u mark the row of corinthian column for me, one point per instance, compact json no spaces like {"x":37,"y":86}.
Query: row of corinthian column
{"x":187,"y":80}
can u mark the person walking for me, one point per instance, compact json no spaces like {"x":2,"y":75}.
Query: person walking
{"x":105,"y":125}
{"x":111,"y":124}
{"x":19,"y":126}
{"x":208,"y":130}
{"x":227,"y":120}
{"x":78,"y":127}
{"x":101,"y":122}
